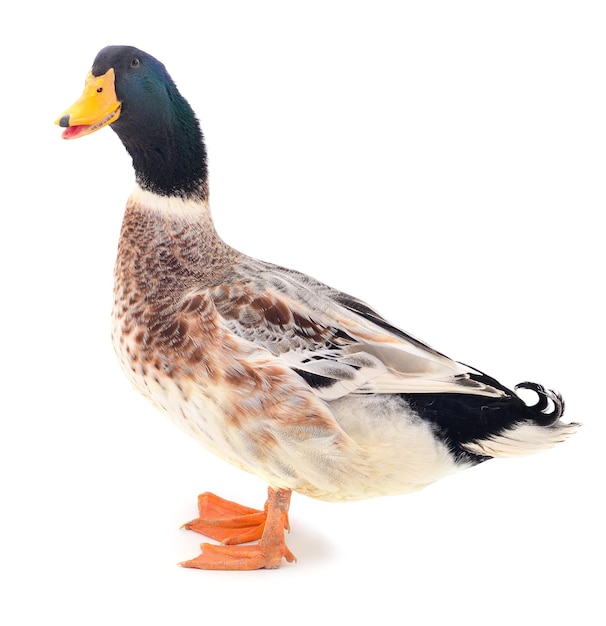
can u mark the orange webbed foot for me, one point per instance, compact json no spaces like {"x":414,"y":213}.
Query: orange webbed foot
{"x":267,"y":553}
{"x":226,"y":521}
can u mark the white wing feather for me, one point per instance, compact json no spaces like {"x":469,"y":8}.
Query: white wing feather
{"x":343,"y":347}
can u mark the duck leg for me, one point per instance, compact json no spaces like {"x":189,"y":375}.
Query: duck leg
{"x":234,"y":524}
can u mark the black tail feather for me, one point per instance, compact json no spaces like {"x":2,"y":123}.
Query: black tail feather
{"x":540,"y":413}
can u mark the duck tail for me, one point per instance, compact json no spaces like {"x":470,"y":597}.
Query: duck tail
{"x":538,"y":429}
{"x":549,"y":407}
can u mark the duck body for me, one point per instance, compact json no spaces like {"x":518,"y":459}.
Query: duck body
{"x":214,"y":351}
{"x":277,"y":373}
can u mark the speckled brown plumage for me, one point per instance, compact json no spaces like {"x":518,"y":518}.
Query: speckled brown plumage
{"x":259,"y":362}
{"x":174,"y":345}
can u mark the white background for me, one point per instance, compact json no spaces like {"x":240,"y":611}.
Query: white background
{"x":445,"y":162}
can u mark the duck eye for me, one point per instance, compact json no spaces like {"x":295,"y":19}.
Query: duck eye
{"x":99,"y":89}
{"x":135,"y":62}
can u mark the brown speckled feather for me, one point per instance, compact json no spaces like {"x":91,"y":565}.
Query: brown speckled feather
{"x":245,"y":355}
{"x":271,"y":369}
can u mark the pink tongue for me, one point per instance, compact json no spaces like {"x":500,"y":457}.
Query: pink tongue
{"x":71,"y":132}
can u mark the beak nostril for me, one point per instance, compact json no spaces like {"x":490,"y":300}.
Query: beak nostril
{"x":64,"y":121}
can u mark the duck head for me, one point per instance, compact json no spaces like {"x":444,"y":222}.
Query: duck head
{"x":132,"y":92}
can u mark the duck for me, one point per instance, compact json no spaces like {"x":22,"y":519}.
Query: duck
{"x":277,"y":373}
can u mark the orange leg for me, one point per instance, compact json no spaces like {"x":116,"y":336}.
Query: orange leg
{"x":268,"y":526}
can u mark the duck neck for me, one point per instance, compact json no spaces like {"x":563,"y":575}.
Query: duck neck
{"x":169,"y":155}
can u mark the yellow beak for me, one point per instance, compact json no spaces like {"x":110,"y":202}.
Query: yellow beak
{"x":97,"y":107}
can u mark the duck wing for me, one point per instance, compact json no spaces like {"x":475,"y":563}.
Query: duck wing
{"x":335,"y":342}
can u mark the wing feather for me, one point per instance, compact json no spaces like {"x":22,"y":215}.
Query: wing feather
{"x":335,"y":342}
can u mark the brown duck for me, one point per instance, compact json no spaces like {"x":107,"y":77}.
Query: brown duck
{"x":279,"y":374}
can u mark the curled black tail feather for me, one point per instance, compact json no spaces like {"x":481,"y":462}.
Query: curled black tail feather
{"x":541,"y":415}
